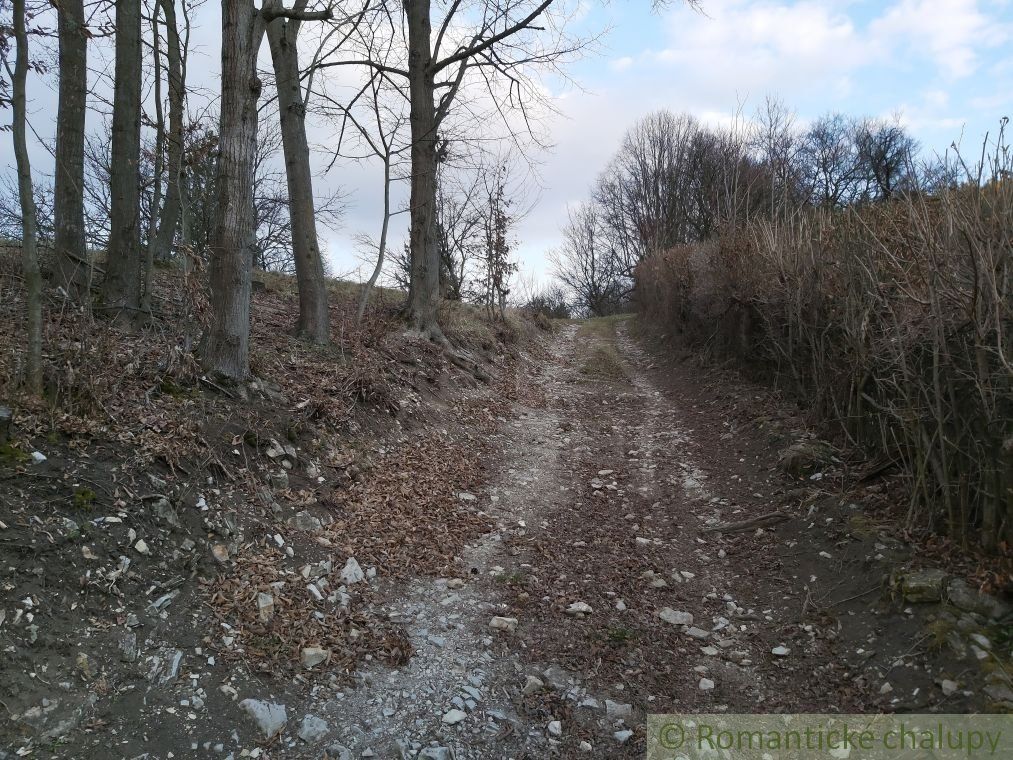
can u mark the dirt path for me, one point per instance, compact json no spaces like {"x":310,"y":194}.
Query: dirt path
{"x":600,"y":596}
{"x":609,"y":587}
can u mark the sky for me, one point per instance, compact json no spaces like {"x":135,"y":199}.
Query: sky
{"x":943,"y":67}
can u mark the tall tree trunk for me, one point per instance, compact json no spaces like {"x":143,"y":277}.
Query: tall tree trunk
{"x":424,"y":292}
{"x":170,"y":216}
{"x":121,"y":288}
{"x":29,"y":231}
{"x":156,"y":192}
{"x":282,"y":36}
{"x":72,"y":263}
{"x":226,"y":344}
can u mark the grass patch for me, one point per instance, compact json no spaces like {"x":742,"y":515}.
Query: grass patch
{"x":863,"y":526}
{"x":603,"y":328}
{"x":602,"y":360}
{"x":339,"y":290}
{"x":84,"y":498}
{"x":12,"y":455}
{"x":513,"y":579}
{"x":620,"y":635}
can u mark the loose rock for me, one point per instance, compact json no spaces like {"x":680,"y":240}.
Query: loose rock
{"x":507,"y":624}
{"x":921,"y":585}
{"x":617,"y":710}
{"x":351,"y":573}
{"x":313,"y":729}
{"x":533,"y":684}
{"x":305,"y":521}
{"x":312,"y":656}
{"x":269,"y":717}
{"x":579,"y":609}
{"x":265,"y":606}
{"x":675,"y":617}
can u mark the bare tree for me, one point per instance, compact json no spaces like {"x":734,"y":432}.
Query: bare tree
{"x":497,"y":39}
{"x":157,"y":167}
{"x":29,"y":252}
{"x":551,"y":301}
{"x":10,"y":209}
{"x":885,"y":152}
{"x":273,"y":248}
{"x":225,"y":346}
{"x":376,"y":118}
{"x":176,"y":57}
{"x":778,"y":146}
{"x":497,"y":220}
{"x":73,"y":271}
{"x":458,"y":229}
{"x":831,"y":162}
{"x":645,"y":191}
{"x":586,"y":267}
{"x":121,"y":288}
{"x":282,"y":37}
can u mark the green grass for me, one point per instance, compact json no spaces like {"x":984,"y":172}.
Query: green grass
{"x":84,"y":498}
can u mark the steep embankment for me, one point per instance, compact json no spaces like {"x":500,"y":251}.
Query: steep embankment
{"x":168,"y":541}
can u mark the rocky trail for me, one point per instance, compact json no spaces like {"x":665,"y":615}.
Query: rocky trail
{"x":634,"y":547}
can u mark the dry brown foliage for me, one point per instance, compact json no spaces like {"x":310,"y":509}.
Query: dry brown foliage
{"x":893,"y":320}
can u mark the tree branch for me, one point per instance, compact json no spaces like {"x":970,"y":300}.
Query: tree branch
{"x":487,"y":43}
{"x":270,"y":12}
{"x":372,"y":64}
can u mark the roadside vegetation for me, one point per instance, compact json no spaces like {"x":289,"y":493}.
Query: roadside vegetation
{"x":831,"y":261}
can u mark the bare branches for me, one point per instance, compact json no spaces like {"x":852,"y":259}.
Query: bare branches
{"x":271,"y":11}
{"x":480,"y":43}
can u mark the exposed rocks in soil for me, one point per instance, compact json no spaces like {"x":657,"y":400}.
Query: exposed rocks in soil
{"x":529,"y":567}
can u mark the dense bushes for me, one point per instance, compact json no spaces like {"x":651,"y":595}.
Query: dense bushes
{"x":893,"y":320}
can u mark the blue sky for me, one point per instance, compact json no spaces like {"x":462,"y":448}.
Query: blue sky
{"x":944,"y":67}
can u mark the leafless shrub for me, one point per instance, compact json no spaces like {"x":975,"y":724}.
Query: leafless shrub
{"x":892,"y":319}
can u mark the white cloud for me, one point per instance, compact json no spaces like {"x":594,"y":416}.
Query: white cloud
{"x":949,"y":32}
{"x":764,"y":46}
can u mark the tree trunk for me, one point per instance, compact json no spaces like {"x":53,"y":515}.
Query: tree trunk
{"x":170,"y":216}
{"x":226,"y":344}
{"x":156,"y":193}
{"x":424,"y":292}
{"x":314,"y":321}
{"x":29,"y":231}
{"x":121,"y":288}
{"x":382,"y":248}
{"x":73,"y":269}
